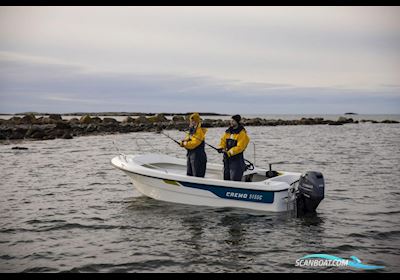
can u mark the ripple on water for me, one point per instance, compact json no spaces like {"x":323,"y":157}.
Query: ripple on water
{"x":66,"y":209}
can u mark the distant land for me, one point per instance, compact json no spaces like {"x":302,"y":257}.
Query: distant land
{"x":116,"y":114}
{"x":350,"y":113}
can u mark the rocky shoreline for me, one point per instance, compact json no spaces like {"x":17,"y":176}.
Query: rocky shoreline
{"x":53,"y":126}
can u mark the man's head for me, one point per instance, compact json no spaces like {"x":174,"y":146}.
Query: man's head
{"x":235,"y":121}
{"x":194,"y":119}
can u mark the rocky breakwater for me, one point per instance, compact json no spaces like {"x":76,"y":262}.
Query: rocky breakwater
{"x":53,"y":126}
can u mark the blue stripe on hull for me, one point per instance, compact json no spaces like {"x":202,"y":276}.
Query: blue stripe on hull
{"x":234,"y":193}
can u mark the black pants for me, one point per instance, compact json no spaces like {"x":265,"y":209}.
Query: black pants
{"x":196,"y":164}
{"x":234,"y":168}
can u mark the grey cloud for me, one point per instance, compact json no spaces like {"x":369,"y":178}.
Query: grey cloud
{"x":33,"y":86}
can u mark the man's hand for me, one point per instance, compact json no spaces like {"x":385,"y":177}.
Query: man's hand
{"x":182,"y":143}
{"x":220,"y":150}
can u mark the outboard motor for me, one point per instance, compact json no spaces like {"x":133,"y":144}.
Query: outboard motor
{"x":310,"y":192}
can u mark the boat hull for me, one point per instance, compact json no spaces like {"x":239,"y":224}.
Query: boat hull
{"x":186,"y":192}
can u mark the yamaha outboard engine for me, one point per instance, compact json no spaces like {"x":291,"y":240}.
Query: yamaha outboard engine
{"x":310,"y":192}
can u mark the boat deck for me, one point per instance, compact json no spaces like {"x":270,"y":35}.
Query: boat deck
{"x":211,"y":173}
{"x":181,"y":170}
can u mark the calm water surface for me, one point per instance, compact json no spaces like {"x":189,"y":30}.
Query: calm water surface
{"x":64,"y":208}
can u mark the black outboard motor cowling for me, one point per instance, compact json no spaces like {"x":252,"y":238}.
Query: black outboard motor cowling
{"x":310,"y":192}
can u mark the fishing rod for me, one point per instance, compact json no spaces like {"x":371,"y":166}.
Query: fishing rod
{"x":162,"y":132}
{"x":248,"y":163}
{"x":205,"y":142}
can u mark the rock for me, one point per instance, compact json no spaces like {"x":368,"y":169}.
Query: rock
{"x":15,"y":120}
{"x":128,"y":120}
{"x":19,"y":148}
{"x":91,"y":128}
{"x":63,"y":125}
{"x":177,"y":118}
{"x":158,"y":118}
{"x":5,"y":133}
{"x":371,"y":121}
{"x":56,"y":117}
{"x":206,"y":123}
{"x":74,"y":121}
{"x":36,"y":133}
{"x":96,"y":120}
{"x":86,"y":119}
{"x":42,"y":120}
{"x":18,"y":133}
{"x":49,"y":137}
{"x":335,"y":123}
{"x":389,"y":121}
{"x":110,"y":120}
{"x":67,"y":135}
{"x":142,"y":120}
{"x":345,"y":120}
{"x":54,"y":133}
{"x":28,"y":119}
{"x":306,"y":121}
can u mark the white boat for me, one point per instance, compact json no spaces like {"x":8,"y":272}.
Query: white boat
{"x":163,"y":177}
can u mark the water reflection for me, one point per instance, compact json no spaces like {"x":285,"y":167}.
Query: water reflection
{"x":194,"y":225}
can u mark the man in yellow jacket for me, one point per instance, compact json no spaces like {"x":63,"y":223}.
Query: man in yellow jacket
{"x":194,"y":144}
{"x":233,"y":143}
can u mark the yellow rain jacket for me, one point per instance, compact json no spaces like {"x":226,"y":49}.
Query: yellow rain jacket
{"x":234,"y":141}
{"x":193,"y":141}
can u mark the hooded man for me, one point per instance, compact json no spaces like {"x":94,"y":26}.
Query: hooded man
{"x":194,"y":144}
{"x":233,"y":143}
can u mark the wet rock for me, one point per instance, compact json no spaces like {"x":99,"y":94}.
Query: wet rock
{"x":49,"y":137}
{"x":67,"y":135}
{"x":334,"y":123}
{"x":19,"y":148}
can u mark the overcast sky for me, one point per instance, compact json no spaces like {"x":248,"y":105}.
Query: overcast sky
{"x":217,"y":59}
